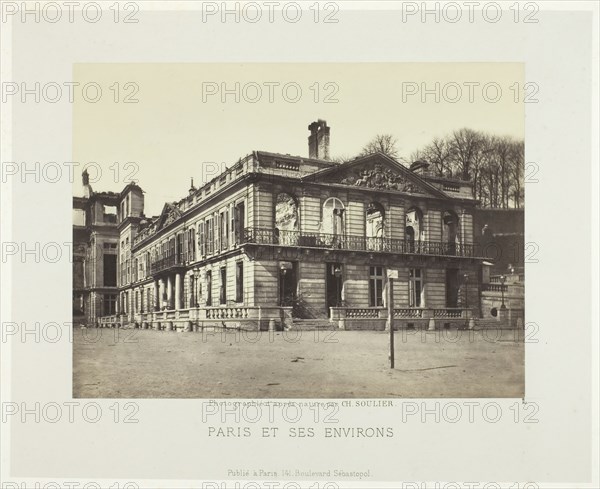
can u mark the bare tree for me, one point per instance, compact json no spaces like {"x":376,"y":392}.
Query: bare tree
{"x":384,"y":143}
{"x":494,"y":164}
{"x":341,"y":158}
{"x":439,"y":153}
{"x":465,"y":143}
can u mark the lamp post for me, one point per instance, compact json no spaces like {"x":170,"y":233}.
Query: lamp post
{"x":283,"y":273}
{"x":502,"y":280}
{"x":195,"y":291}
{"x":337,"y":271}
{"x":194,"y":301}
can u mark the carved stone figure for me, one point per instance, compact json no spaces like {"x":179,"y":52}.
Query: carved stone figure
{"x":378,"y":177}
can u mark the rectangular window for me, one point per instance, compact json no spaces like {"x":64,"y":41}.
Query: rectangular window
{"x":239,"y":217}
{"x":110,"y":270}
{"x":171,"y":247}
{"x":137,"y":301}
{"x":179,"y":248}
{"x":209,"y":288}
{"x":109,"y":306}
{"x":216,"y":233}
{"x":149,"y":299}
{"x":239,"y":281}
{"x":224,"y":227}
{"x":192,"y":245}
{"x":223,"y":286}
{"x":375,"y":286}
{"x":415,"y":287}
{"x":209,"y":236}
{"x":202,"y":242}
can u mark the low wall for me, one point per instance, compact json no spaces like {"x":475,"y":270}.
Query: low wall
{"x":197,"y":319}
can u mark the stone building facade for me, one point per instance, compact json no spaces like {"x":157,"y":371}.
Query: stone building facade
{"x":278,"y":237}
{"x":95,"y":238}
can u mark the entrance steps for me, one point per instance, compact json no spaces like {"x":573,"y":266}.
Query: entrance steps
{"x":313,"y":324}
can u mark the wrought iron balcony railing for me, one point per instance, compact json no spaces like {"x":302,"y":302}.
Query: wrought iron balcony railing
{"x":171,"y":261}
{"x":266,"y":236}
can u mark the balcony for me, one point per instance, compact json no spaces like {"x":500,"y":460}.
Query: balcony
{"x":265,"y":236}
{"x":166,"y":263}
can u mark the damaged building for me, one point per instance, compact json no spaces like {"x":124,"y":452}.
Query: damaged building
{"x":279,"y":239}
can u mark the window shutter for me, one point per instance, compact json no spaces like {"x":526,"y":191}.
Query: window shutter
{"x":201,"y":239}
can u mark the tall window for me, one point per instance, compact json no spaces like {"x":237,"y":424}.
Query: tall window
{"x":191,"y":245}
{"x":109,"y":305}
{"x":415,"y":287}
{"x":239,"y":219}
{"x":137,"y":301}
{"x":171,"y":251}
{"x":374,"y":219}
{"x":375,"y":286}
{"x":413,"y":231}
{"x":333,"y":216}
{"x":450,"y":231}
{"x":224,"y":227}
{"x":110,"y":270}
{"x":216,"y":233}
{"x":239,"y":281}
{"x":201,"y":241}
{"x":179,"y":248}
{"x":223,"y":286}
{"x":209,"y":288}
{"x":209,"y":236}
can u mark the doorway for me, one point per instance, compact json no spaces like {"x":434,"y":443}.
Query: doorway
{"x":452,"y":287}
{"x":333,"y":285}
{"x":288,"y":283}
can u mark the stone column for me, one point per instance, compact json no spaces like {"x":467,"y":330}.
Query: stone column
{"x":156,"y":295}
{"x":161,"y":293}
{"x":169,"y":292}
{"x":178,"y":291}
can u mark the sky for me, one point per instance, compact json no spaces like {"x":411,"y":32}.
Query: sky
{"x":183,"y":120}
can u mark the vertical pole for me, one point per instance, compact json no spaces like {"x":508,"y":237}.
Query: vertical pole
{"x":390,"y":306}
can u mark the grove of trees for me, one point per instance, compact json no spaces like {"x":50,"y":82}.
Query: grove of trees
{"x":495,"y":164}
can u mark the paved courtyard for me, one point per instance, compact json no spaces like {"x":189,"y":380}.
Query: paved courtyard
{"x":110,"y":363}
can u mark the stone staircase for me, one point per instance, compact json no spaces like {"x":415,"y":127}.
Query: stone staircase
{"x":492,"y":323}
{"x":313,"y":324}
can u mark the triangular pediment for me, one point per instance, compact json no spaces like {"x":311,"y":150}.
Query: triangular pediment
{"x":378,"y":172}
{"x":169,"y":214}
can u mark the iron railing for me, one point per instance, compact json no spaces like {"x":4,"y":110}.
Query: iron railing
{"x":266,"y":236}
{"x":167,"y":262}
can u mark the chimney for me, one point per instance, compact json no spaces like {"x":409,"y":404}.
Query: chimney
{"x":318,"y":141}
{"x":87,"y":188}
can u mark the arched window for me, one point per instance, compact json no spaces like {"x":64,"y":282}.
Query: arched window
{"x":413,"y":232}
{"x":450,"y":232}
{"x":374,"y":226}
{"x":333,"y":223}
{"x":286,"y":219}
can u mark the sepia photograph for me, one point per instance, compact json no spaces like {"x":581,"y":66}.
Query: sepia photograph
{"x":284,"y":271}
{"x":299,"y":245}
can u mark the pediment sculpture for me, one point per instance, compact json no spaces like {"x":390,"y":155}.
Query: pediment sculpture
{"x":378,"y":177}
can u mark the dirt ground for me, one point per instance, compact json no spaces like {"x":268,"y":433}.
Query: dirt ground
{"x":110,"y":363}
